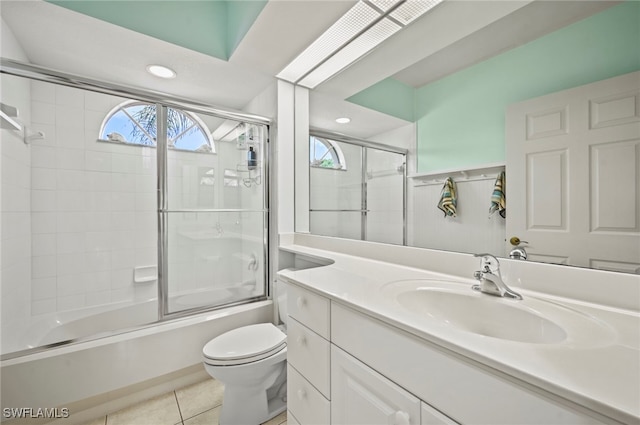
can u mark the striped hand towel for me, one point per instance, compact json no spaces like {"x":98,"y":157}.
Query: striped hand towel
{"x":448,"y":198}
{"x":498,"y":199}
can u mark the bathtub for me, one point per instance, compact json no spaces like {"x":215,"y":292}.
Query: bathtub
{"x":103,"y":320}
{"x":79,"y":374}
{"x":100,"y":321}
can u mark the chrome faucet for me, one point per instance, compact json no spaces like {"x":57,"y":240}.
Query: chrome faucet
{"x":518,"y":253}
{"x":490,"y":278}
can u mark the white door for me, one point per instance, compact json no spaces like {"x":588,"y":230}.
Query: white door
{"x":573,"y":175}
{"x":361,"y":396}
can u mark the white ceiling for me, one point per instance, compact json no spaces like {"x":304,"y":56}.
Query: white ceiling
{"x":455,"y":34}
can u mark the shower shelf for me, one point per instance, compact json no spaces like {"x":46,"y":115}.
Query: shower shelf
{"x":8,"y":122}
{"x":244,"y":168}
{"x":145,"y":274}
{"x":249,"y":181}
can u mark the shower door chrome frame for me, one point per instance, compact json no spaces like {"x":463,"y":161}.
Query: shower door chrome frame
{"x":164,"y":100}
{"x":163,"y":205}
{"x":164,"y":211}
{"x":364,"y":144}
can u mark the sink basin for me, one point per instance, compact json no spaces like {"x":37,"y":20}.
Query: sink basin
{"x":530,"y":320}
{"x":480,"y":314}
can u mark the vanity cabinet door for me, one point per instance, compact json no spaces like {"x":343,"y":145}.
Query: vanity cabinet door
{"x":291,"y":420}
{"x":362,"y":396}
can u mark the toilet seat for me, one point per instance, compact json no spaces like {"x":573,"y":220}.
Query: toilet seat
{"x":244,"y":345}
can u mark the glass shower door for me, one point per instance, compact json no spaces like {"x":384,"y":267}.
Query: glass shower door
{"x":385,"y":196}
{"x":336,"y":195}
{"x":356,"y":190}
{"x":215,"y":217}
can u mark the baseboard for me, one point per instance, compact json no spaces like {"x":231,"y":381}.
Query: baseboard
{"x":86,"y":410}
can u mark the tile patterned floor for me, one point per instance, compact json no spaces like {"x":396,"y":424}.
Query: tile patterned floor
{"x":197,"y":404}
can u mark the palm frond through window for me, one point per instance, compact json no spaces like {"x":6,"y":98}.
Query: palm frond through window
{"x":324,"y":153}
{"x":136,"y":123}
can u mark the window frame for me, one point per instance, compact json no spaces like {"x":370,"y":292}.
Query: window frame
{"x":197,"y":122}
{"x":331,"y":146}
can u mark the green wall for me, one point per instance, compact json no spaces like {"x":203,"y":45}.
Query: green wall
{"x":460,"y":118}
{"x":214,"y":28}
{"x":240,"y":17}
{"x":389,"y":96}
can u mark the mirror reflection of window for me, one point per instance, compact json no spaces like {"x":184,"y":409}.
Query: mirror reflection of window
{"x":324,"y":153}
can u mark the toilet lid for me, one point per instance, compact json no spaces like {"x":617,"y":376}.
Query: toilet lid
{"x":248,"y":343}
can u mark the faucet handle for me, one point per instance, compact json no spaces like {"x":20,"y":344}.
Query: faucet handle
{"x":488,"y":262}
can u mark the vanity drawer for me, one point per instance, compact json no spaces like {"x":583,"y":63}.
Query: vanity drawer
{"x":310,"y":309}
{"x":309,"y":353}
{"x":430,"y":416}
{"x":291,"y":419}
{"x":304,"y":402}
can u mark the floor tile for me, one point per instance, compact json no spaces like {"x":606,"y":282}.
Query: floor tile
{"x":162,"y":410}
{"x":199,"y":397}
{"x":210,"y":417}
{"x":281,"y":419}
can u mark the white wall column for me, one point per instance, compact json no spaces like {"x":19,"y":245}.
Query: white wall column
{"x":285,"y":174}
{"x":301,"y":159}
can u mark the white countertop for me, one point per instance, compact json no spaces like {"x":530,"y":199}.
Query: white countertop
{"x":600,"y":373}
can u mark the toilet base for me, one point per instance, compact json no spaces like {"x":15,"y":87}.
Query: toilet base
{"x":241,"y":406}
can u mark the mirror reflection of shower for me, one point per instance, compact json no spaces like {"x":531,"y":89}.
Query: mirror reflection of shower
{"x":356,"y":189}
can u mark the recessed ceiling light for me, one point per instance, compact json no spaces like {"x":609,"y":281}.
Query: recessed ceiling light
{"x":343,"y":120}
{"x":161,"y":71}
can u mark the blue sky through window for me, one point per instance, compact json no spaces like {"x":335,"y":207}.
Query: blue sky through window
{"x":323,"y":154}
{"x":136,"y":123}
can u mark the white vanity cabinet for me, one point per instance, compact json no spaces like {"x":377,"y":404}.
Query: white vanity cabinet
{"x":346,"y":367}
{"x":430,"y":416}
{"x":363,"y":396}
{"x":308,"y":357}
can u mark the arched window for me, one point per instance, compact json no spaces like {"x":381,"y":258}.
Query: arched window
{"x":134,"y":123}
{"x":324,"y":153}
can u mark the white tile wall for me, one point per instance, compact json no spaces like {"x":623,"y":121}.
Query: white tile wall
{"x":384,"y":197}
{"x":87,"y":199}
{"x":15,"y":227}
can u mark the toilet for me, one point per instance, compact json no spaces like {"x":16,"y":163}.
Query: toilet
{"x":251,"y":362}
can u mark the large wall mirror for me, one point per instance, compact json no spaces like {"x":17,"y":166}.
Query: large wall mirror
{"x":356,"y":189}
{"x":451,"y":88}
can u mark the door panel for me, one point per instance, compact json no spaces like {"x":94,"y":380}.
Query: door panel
{"x":573,"y":168}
